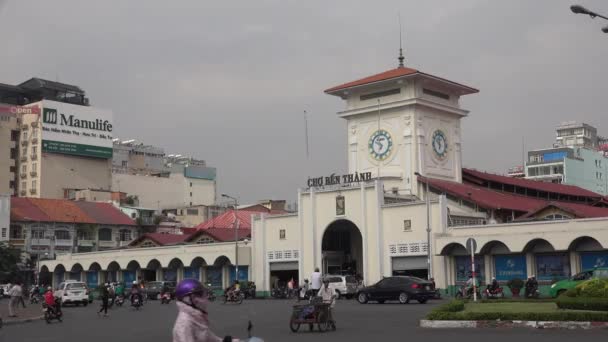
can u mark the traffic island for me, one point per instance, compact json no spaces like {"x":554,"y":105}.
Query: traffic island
{"x":513,"y":314}
{"x":32,"y":312}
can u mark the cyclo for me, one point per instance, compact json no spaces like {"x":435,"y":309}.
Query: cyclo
{"x":316,"y":312}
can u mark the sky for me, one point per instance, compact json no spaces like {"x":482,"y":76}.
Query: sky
{"x":229,"y":81}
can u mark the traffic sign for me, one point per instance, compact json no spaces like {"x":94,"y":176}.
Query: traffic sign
{"x":471,"y":245}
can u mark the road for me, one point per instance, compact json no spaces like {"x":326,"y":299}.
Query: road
{"x":270,"y":317}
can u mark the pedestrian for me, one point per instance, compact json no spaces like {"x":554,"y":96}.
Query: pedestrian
{"x":105,"y":295}
{"x":14,"y":293}
{"x":21,"y":299}
{"x":315,"y":280}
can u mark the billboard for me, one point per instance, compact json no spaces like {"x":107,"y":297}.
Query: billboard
{"x":510,"y":267}
{"x":76,"y":130}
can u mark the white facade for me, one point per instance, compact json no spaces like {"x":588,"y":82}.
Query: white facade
{"x":170,"y":192}
{"x":5,"y":216}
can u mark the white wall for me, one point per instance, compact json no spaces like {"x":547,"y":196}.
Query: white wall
{"x":166,"y":192}
{"x":5,"y":215}
{"x":62,"y":171}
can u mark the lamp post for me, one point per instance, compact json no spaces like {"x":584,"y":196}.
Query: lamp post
{"x":236,"y":236}
{"x":578,"y":9}
{"x":427,"y":198}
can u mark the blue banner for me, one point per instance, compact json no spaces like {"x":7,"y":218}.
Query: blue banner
{"x":169,"y":274}
{"x":590,"y":260}
{"x":92,"y":279}
{"x":128,"y":277}
{"x":214,"y":277}
{"x":74,"y":276}
{"x":463,"y":268}
{"x":111,"y":276}
{"x":192,"y":273}
{"x":510,"y":267}
{"x":243,"y":273}
{"x":552,"y":266}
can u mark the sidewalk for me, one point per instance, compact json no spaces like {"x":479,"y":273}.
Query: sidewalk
{"x":30,"y":313}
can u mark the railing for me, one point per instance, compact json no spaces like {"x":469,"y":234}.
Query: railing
{"x":33,"y":191}
{"x":23,"y":158}
{"x":40,"y":242}
{"x":34,"y":156}
{"x":23,"y":175}
{"x":63,"y":242}
{"x":23,"y":192}
{"x":107,"y":243}
{"x":23,"y":142}
{"x":34,"y":140}
{"x":33,"y":173}
{"x":86,"y":243}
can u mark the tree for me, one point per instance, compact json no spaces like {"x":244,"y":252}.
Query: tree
{"x":9,"y":259}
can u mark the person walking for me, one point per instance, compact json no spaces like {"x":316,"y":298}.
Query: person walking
{"x":14,"y":293}
{"x":21,"y":299}
{"x":315,"y":280}
{"x":105,"y":295}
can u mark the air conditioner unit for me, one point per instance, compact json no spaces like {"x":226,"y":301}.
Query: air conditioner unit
{"x":35,"y":124}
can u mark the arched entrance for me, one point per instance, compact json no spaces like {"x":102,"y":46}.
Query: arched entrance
{"x":342,"y":249}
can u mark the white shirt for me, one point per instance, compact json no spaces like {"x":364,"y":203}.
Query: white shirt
{"x":15,"y":291}
{"x":315,"y":280}
{"x":328,"y":294}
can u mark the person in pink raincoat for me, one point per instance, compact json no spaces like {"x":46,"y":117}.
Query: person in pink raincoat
{"x":192,"y":323}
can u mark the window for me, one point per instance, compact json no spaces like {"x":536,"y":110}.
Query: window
{"x":125,"y":163}
{"x":532,"y":171}
{"x":24,"y":151}
{"x":282,"y":234}
{"x":4,"y":233}
{"x":34,"y":132}
{"x":458,"y":221}
{"x":205,"y":240}
{"x":190,"y":193}
{"x":37,"y":234}
{"x":34,"y":149}
{"x":24,"y":135}
{"x":125,"y":235}
{"x":380,"y":94}
{"x":147,"y":243}
{"x":105,"y":234}
{"x":23,"y":168}
{"x":192,"y":212}
{"x":190,"y":184}
{"x":407,"y":225}
{"x":23,"y":186}
{"x":436,"y":94}
{"x":84,"y":235}
{"x":556,"y":217}
{"x":552,"y":266}
{"x":16,"y":232}
{"x":33,"y":184}
{"x":463,"y":268}
{"x":34,"y":167}
{"x":133,"y":215}
{"x":62,"y":235}
{"x":509,"y":266}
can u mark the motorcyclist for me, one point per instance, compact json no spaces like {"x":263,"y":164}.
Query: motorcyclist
{"x":233,"y":290}
{"x":493,"y":286}
{"x":531,"y":286}
{"x":49,"y":300}
{"x":135,"y":291}
{"x":192,"y":323}
{"x":469,"y":285}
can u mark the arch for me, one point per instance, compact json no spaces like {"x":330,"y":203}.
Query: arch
{"x":585,"y":243}
{"x":114,"y":266}
{"x":175,"y":263}
{"x":454,"y":248}
{"x":44,"y":269}
{"x":538,"y":245}
{"x":133,"y":265}
{"x":153,"y":265}
{"x":77,"y":267}
{"x":222,"y":260}
{"x":494,"y":247}
{"x":59,"y":268}
{"x":94,"y":266}
{"x":198,"y":262}
{"x":342,"y":248}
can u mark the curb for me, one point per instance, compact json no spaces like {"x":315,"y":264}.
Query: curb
{"x":570,"y":325}
{"x":22,"y":321}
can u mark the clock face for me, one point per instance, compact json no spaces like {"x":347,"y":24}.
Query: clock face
{"x":440,"y":144}
{"x":380,"y":145}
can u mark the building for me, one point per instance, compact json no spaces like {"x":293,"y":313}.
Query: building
{"x":160,"y":181}
{"x":194,"y":215}
{"x":141,"y":216}
{"x":5,"y":217}
{"x":575,"y":159}
{"x":10,"y":124}
{"x":406,"y":207}
{"x":517,"y":172}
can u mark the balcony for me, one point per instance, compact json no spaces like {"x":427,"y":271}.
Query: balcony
{"x":34,"y":156}
{"x":33,"y":191}
{"x":34,"y":140}
{"x":107,"y":244}
{"x":24,"y":127}
{"x":86,"y":243}
{"x":33,"y":173}
{"x":23,"y":158}
{"x":40,"y":242}
{"x":23,"y":175}
{"x":23,"y":192}
{"x":24,"y":142}
{"x":63,"y":243}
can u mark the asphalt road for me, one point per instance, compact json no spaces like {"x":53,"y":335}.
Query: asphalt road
{"x":270,"y":317}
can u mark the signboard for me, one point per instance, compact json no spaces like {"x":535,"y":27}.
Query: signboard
{"x":17,"y":110}
{"x":591,"y":260}
{"x":340,"y":206}
{"x":510,"y":267}
{"x":552,"y":266}
{"x":463,"y":268}
{"x":334,"y":179}
{"x":77,"y":130}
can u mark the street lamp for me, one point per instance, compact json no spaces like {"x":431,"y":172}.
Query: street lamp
{"x":578,"y":9}
{"x":236,"y":236}
{"x":427,"y":198}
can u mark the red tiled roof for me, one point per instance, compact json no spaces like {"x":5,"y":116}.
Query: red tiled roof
{"x":188,"y":231}
{"x":390,"y":74}
{"x":161,"y":239}
{"x":227,"y":219}
{"x":576,"y":209}
{"x":480,"y":177}
{"x":222,"y":234}
{"x":57,"y":210}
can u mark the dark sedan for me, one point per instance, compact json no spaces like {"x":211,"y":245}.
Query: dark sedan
{"x":400,"y":288}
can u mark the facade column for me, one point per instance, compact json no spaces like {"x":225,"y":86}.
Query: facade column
{"x":364,"y":234}
{"x":488,"y":269}
{"x":301,"y":227}
{"x":574,"y":262}
{"x":180,"y":273}
{"x":380,"y":230}
{"x":407,"y":154}
{"x":530,"y":264}
{"x":313,"y":226}
{"x":101,"y":278}
{"x":159,"y":274}
{"x":202,"y":274}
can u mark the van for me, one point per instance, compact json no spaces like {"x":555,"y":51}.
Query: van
{"x":343,"y":285}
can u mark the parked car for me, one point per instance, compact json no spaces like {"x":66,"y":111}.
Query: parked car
{"x":400,"y":288}
{"x":72,"y":292}
{"x":564,"y":285}
{"x":344,"y":285}
{"x":153,"y":289}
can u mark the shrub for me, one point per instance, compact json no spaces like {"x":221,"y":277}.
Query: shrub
{"x":519,"y":316}
{"x":571,"y":293}
{"x":595,"y":288}
{"x":515,"y":283}
{"x":582,"y":303}
{"x":451,"y":307}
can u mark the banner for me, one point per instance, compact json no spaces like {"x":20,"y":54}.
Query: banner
{"x":552,"y":266}
{"x":463,"y":268}
{"x":214,"y":277}
{"x":128,"y":277}
{"x":590,"y":260}
{"x":192,"y":273}
{"x":243,"y":273}
{"x":92,"y":279}
{"x":169,"y":274}
{"x":510,"y":267}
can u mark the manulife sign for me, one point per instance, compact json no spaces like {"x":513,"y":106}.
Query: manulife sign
{"x":76,"y":130}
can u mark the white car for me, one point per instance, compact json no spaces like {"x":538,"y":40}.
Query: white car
{"x":345,"y":286}
{"x":72,"y":292}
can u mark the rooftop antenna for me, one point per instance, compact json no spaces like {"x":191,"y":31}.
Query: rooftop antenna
{"x":401,"y":58}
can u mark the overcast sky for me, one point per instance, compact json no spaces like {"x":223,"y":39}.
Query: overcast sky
{"x":228,"y":81}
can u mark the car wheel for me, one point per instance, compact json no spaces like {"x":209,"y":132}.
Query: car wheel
{"x":362,"y":298}
{"x":381,"y":301}
{"x":560,"y":292}
{"x":404,"y":298}
{"x":77,"y":304}
{"x":85,"y":303}
{"x":338,"y":294}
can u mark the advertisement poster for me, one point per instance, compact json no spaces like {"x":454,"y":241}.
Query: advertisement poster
{"x":128,"y":276}
{"x":214,"y":277}
{"x":92,"y":279}
{"x":192,"y":273}
{"x":552,"y":266}
{"x":169,"y":274}
{"x":510,"y":267}
{"x":463,"y":268}
{"x":243,"y":273}
{"x":591,"y":260}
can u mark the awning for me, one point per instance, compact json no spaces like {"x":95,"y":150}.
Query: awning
{"x":284,"y":266}
{"x":409,"y":263}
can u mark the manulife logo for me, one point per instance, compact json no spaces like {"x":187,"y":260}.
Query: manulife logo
{"x":51,"y":116}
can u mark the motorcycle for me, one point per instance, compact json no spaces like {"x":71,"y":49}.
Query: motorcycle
{"x":305,"y":295}
{"x":491,"y":294}
{"x":34,"y":299}
{"x":120,"y":300}
{"x":51,"y":313}
{"x":234,"y":297}
{"x":136,"y":303}
{"x":464,"y":293}
{"x":532,"y":292}
{"x":165,"y":298}
{"x":279,"y":293}
{"x":249,"y":292}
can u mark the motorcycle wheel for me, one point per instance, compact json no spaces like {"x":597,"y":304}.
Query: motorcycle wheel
{"x":458,"y":295}
{"x":240,"y":299}
{"x":59,"y":319}
{"x":294,"y":326}
{"x":47,"y":317}
{"x":322,"y":322}
{"x":225,"y":299}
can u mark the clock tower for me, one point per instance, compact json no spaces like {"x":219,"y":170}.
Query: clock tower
{"x":401,"y":122}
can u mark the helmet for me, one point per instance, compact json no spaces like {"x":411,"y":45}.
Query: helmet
{"x":187,"y":287}
{"x":134,"y":282}
{"x":49,"y":288}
